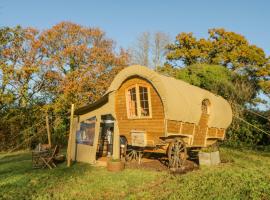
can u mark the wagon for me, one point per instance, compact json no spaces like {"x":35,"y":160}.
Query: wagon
{"x":148,"y":111}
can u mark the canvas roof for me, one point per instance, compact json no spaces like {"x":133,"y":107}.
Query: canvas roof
{"x":182,"y":101}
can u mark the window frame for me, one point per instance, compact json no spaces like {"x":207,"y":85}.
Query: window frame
{"x":138,"y":101}
{"x":207,"y":104}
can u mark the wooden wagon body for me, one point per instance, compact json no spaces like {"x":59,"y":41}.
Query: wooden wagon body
{"x":153,"y":129}
{"x":152,"y":111}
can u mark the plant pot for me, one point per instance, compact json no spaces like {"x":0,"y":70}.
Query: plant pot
{"x":115,"y":166}
{"x":209,"y":158}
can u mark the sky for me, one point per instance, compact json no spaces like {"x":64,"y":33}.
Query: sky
{"x":124,"y":20}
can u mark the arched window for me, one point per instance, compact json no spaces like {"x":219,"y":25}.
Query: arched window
{"x":138,"y":101}
{"x":132,"y":102}
{"x":206,"y":106}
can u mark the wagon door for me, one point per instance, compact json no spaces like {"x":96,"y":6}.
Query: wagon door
{"x":86,"y":140}
{"x":201,"y":131}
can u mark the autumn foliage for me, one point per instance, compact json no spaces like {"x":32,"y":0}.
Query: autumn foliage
{"x":45,"y":71}
{"x":224,"y":48}
{"x":50,"y":70}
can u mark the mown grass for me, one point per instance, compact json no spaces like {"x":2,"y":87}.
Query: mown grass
{"x":245,"y":176}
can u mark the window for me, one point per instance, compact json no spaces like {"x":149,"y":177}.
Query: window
{"x":144,"y":104}
{"x":86,"y":134}
{"x":132,"y":102}
{"x":138,"y":101}
{"x":206,"y":106}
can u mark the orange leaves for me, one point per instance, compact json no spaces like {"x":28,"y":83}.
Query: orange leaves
{"x":222,"y":47}
{"x":80,"y":55}
{"x":67,"y":62}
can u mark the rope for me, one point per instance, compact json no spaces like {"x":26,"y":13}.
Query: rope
{"x":18,"y":146}
{"x":25,"y":130}
{"x":267,"y":133}
{"x":14,"y":117}
{"x":251,"y":111}
{"x":31,"y":137}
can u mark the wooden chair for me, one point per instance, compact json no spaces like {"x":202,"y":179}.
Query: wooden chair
{"x":48,"y":161}
{"x":37,"y":156}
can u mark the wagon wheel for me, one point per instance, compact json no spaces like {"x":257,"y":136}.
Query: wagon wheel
{"x":177,"y":153}
{"x":131,"y":155}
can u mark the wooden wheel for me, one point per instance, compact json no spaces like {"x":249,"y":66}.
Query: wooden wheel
{"x":132,"y":155}
{"x":177,"y":153}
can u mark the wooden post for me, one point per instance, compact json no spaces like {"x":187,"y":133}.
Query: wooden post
{"x":70,"y":134}
{"x":48,"y":130}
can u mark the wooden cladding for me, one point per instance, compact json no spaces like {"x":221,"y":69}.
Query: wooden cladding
{"x":173,"y":126}
{"x":187,"y":128}
{"x":138,"y":101}
{"x":152,"y":125}
{"x":201,"y":132}
{"x":180,"y":127}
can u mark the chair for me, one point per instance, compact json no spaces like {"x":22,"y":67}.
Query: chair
{"x":48,"y":161}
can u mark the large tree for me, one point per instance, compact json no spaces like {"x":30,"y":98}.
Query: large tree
{"x":20,"y":61}
{"x":47,"y":71}
{"x":224,"y":48}
{"x":21,"y":83}
{"x":81,"y":60}
{"x":150,"y":49}
{"x":141,"y":50}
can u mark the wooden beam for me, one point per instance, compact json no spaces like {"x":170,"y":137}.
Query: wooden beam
{"x":180,"y":129}
{"x":48,"y":130}
{"x":70,"y":136}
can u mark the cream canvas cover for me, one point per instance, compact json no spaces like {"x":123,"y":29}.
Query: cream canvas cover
{"x":182,"y":101}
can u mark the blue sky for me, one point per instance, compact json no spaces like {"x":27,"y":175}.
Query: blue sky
{"x":123,"y":20}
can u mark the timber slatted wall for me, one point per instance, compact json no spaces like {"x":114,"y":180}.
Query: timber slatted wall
{"x":199,"y":132}
{"x":154,"y":126}
{"x":187,"y":128}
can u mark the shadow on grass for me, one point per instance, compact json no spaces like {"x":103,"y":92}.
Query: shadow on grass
{"x":15,"y":157}
{"x":19,"y":180}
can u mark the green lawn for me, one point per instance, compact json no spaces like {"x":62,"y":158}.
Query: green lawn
{"x":246,"y":176}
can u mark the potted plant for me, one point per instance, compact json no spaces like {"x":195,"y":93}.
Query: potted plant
{"x":115,"y":165}
{"x":209,"y":156}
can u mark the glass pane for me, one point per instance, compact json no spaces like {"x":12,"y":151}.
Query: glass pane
{"x":132,"y":102}
{"x":205,"y":106}
{"x":144,"y":104}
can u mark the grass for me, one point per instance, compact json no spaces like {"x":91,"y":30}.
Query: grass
{"x":246,"y":176}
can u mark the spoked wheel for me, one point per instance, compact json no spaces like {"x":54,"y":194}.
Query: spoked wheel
{"x":177,"y":153}
{"x":131,"y":155}
{"x":134,"y":155}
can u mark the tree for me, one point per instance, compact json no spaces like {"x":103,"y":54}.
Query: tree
{"x":140,"y":52}
{"x":161,"y":40}
{"x":49,"y":70}
{"x":78,"y":59}
{"x":21,"y":82}
{"x":20,"y":59}
{"x":224,"y":48}
{"x":221,"y":81}
{"x":150,"y":49}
